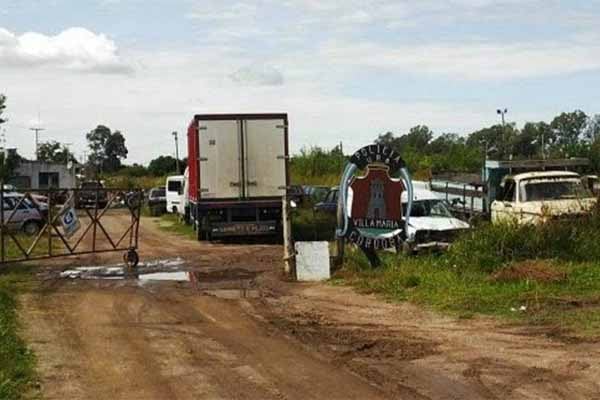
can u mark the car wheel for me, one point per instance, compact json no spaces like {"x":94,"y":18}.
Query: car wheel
{"x":31,"y":228}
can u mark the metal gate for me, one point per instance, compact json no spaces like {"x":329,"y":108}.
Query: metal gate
{"x":49,"y":223}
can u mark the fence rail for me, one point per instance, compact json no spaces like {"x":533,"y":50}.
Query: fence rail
{"x":49,"y":223}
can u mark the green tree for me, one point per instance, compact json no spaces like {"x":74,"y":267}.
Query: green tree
{"x":569,"y":129}
{"x":9,"y":161}
{"x":417,"y":138}
{"x":135,"y":170}
{"x":107,"y":148}
{"x":162,"y":165}
{"x":2,"y":108}
{"x":55,"y":152}
{"x":592,"y":130}
{"x":496,"y":139}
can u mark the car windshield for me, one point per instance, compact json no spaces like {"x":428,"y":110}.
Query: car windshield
{"x":174,"y":186}
{"x":552,"y":189}
{"x":158,"y":193}
{"x":430,"y":208}
{"x":91,"y":185}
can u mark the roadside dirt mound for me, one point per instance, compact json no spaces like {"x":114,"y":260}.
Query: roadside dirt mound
{"x":534,"y":270}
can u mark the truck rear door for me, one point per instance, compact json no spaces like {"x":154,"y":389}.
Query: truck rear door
{"x":265,"y":157}
{"x":220,"y":167}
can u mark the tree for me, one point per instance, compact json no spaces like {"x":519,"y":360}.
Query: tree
{"x":592,"y":130}
{"x":444,"y":143}
{"x":496,"y":139}
{"x":54,"y":152}
{"x":9,"y":161}
{"x":568,"y":129}
{"x":162,"y":165}
{"x":107,"y":148}
{"x":416,"y":139}
{"x":2,"y":108}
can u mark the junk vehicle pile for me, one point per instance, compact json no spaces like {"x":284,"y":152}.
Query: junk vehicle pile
{"x":524,"y":191}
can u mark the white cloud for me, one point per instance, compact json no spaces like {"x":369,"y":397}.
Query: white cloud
{"x":258,"y":74}
{"x":237,"y":12}
{"x":75,"y":49}
{"x":469,"y":61}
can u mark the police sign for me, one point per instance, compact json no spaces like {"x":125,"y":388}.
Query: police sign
{"x":370,"y":211}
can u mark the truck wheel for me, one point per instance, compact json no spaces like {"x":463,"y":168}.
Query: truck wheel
{"x":31,"y":228}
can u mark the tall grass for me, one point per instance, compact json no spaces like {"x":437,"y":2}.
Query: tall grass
{"x":16,"y":361}
{"x":547,"y":273}
{"x":491,"y":246}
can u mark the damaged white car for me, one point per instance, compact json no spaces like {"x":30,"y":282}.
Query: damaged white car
{"x":534,"y":197}
{"x":431,"y":225}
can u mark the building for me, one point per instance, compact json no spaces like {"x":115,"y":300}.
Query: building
{"x":44,"y":175}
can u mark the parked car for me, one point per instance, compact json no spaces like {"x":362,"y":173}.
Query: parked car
{"x":316,"y":193}
{"x":23,"y":215}
{"x":174,"y":193}
{"x":431,"y":224}
{"x":329,"y":203}
{"x":157,"y":201}
{"x":296,"y":193}
{"x":91,"y":194}
{"x":534,"y":197}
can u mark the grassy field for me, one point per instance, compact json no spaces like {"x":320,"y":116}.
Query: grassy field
{"x":547,"y":275}
{"x":172,"y":223}
{"x":17,"y":376}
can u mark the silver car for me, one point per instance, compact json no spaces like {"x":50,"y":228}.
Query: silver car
{"x":24,"y":216}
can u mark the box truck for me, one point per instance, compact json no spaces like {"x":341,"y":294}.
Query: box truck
{"x":238,"y":174}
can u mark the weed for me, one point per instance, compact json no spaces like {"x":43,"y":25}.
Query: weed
{"x":17,"y":362}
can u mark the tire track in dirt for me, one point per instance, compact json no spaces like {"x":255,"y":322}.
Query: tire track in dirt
{"x":122,"y":340}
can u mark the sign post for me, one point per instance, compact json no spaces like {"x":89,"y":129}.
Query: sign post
{"x":370,"y":211}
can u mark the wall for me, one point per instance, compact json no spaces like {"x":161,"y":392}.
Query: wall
{"x":32,"y":169}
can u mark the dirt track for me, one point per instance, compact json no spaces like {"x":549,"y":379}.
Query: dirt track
{"x":125,"y":340}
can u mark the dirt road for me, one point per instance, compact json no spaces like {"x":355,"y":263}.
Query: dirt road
{"x":236,"y":330}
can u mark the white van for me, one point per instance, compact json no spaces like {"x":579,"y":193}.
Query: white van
{"x":174,"y":192}
{"x":185,"y":199}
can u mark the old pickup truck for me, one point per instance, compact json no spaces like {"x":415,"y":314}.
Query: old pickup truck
{"x":534,"y":197}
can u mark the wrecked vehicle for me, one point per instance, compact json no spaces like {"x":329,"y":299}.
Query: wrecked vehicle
{"x":431,"y":226}
{"x":534,"y":197}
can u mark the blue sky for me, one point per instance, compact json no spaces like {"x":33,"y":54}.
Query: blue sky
{"x":343,"y":70}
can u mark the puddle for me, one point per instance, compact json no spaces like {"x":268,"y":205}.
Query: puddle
{"x":178,"y":276}
{"x":119,"y":271}
{"x":232,"y":283}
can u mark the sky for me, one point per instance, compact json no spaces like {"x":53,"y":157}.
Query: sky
{"x":344,"y":71}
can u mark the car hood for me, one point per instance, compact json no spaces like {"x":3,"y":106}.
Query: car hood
{"x":437,"y":223}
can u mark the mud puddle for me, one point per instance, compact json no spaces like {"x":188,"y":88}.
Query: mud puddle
{"x":231,"y":284}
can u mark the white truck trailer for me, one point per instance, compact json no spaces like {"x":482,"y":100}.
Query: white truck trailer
{"x":238,"y":174}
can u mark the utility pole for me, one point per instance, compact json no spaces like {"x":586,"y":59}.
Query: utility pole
{"x":37,"y":132}
{"x":176,"y":152}
{"x":503,"y":112}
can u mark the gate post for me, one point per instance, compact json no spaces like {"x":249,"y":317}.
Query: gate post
{"x":288,"y":251}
